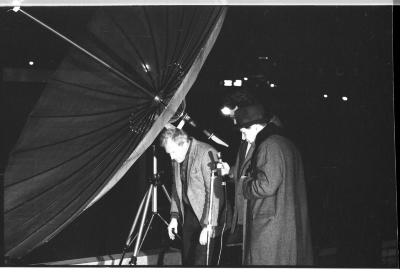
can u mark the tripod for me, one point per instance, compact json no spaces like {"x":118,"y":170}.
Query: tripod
{"x":151,"y":194}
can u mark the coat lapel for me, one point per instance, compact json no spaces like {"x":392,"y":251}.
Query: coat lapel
{"x":192,"y":153}
{"x":246,"y":161}
{"x":191,"y":156}
{"x":178,"y":185}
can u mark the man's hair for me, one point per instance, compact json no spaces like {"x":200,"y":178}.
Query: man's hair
{"x":175,"y":134}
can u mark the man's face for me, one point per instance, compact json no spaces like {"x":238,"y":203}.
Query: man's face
{"x":249,"y":134}
{"x":175,"y":151}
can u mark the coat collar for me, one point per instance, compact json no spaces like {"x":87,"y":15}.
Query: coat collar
{"x":267,"y":131}
{"x":246,"y":159}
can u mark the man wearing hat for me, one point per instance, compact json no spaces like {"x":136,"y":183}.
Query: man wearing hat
{"x":270,"y":198}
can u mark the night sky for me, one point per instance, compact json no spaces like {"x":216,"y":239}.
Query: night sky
{"x":347,"y":146}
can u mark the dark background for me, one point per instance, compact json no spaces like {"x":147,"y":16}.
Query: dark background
{"x":348,"y":146}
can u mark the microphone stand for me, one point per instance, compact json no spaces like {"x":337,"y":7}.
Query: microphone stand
{"x":151,"y":194}
{"x":223,"y":183}
{"x":215,"y":172}
{"x":209,"y":225}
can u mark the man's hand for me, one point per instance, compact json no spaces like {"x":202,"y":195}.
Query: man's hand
{"x":224,"y":168}
{"x":173,"y":228}
{"x":204,"y":234}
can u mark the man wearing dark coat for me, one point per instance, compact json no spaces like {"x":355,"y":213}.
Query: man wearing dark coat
{"x":269,"y":176}
{"x":193,"y":162}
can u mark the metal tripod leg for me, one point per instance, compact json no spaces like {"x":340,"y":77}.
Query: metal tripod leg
{"x":151,"y":194}
{"x":166,"y":193}
{"x":159,"y":216}
{"x":139,"y":236}
{"x":148,"y":226}
{"x":129,"y":240}
{"x":139,"y":240}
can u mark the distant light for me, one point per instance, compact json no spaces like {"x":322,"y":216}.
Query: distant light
{"x":263,"y":58}
{"x":227,"y":83}
{"x":272,"y":85}
{"x":31,"y":63}
{"x":237,"y":83}
{"x":16,"y":4}
{"x":146,"y":67}
{"x":226,"y":111}
{"x":344,"y":98}
{"x":325,"y":96}
{"x":245,"y":78}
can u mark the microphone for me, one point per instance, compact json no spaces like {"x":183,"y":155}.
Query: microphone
{"x":213,"y":162}
{"x":215,"y":167}
{"x":188,"y":119}
{"x":219,"y":168}
{"x":224,"y":177}
{"x":219,"y":157}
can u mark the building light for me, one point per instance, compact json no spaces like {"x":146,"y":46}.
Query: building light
{"x":31,"y":63}
{"x":344,"y":98}
{"x":16,"y":4}
{"x":227,"y":83}
{"x":237,"y":83}
{"x":226,"y":111}
{"x":146,"y":67}
{"x":245,"y":78}
{"x":325,"y":96}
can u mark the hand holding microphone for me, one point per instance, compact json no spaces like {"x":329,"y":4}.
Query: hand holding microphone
{"x":222,"y":166}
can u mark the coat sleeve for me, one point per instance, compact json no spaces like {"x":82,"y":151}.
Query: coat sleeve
{"x":268,"y":175}
{"x":206,"y":169}
{"x":174,"y":196}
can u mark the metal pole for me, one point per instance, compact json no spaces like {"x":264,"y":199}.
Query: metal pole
{"x":129,"y":239}
{"x":209,"y":226}
{"x":155,"y":180}
{"x":147,"y":230}
{"x":166,"y":193}
{"x":136,"y":219}
{"x":139,"y":236}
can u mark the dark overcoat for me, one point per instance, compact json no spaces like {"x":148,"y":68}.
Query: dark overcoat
{"x":277,"y":223}
{"x":237,"y":173}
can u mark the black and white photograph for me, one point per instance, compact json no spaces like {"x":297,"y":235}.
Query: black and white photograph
{"x":201,"y":135}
